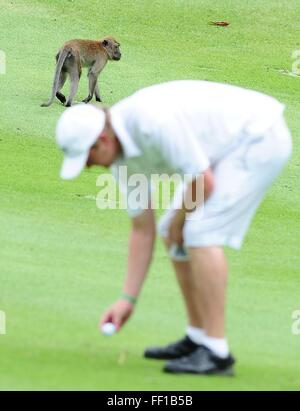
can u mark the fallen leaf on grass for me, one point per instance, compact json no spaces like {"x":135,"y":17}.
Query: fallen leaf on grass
{"x":219,"y":23}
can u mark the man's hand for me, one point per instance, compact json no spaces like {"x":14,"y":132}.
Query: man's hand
{"x":176,"y":228}
{"x":118,"y":313}
{"x":196,"y":193}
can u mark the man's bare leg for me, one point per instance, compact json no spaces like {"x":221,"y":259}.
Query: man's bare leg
{"x":203,"y":282}
{"x":194,"y":330}
{"x":209,"y":278}
{"x":189,"y":290}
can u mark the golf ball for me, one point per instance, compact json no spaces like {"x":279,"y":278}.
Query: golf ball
{"x":108,"y":329}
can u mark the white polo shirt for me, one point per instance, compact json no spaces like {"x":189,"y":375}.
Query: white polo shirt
{"x":186,"y":126}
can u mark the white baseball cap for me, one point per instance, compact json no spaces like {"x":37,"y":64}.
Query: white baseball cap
{"x":77,"y":130}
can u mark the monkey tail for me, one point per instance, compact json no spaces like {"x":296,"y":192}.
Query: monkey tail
{"x":66,"y":52}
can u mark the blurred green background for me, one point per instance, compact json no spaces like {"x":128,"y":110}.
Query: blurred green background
{"x":63,"y":260}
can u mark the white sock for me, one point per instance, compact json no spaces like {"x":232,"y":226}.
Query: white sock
{"x":218,"y":346}
{"x":195,"y":334}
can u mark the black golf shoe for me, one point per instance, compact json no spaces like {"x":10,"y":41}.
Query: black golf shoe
{"x":201,"y":361}
{"x":176,"y":350}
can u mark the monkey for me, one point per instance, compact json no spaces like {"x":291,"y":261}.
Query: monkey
{"x":74,"y":55}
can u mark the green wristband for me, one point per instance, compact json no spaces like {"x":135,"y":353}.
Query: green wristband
{"x":130,"y":298}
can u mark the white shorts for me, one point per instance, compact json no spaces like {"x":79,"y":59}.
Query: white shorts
{"x":242,"y":178}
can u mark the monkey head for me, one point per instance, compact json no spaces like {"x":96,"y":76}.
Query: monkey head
{"x":112,"y":48}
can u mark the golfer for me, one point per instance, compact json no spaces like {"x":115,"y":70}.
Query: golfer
{"x":229,"y":141}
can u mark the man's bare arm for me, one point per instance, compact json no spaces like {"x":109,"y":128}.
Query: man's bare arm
{"x":141,"y":242}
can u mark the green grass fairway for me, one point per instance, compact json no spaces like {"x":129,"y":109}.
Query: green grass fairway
{"x":63,"y":260}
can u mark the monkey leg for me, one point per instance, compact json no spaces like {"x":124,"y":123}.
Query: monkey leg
{"x":74,"y":78}
{"x":97,"y":93}
{"x":61,"y":97}
{"x":92,"y":85}
{"x":62,"y":80}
